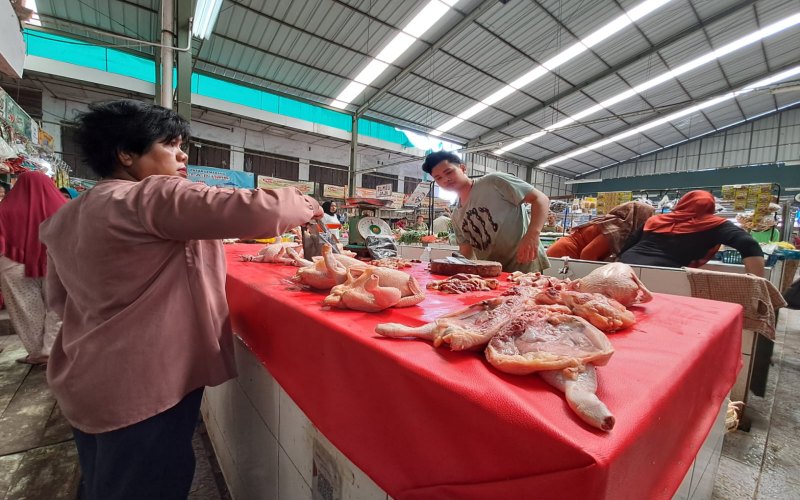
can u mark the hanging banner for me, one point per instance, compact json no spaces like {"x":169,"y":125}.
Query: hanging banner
{"x":609,"y":200}
{"x":16,"y":116}
{"x":440,"y":204}
{"x":221,"y":177}
{"x":331,"y":191}
{"x":397,"y":200}
{"x":419,"y":194}
{"x":365,"y":193}
{"x":266,"y":182}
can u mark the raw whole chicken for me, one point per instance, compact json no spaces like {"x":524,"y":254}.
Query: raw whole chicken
{"x":275,"y":253}
{"x":539,"y":339}
{"x":618,"y":281}
{"x":524,"y":338}
{"x":325,"y":272}
{"x":469,"y":328}
{"x":373,"y":289}
{"x":605,"y":313}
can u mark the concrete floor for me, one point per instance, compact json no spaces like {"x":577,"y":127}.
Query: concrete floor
{"x":765,"y":462}
{"x":38,"y":460}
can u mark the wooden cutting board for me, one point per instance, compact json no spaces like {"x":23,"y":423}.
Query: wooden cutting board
{"x":483,"y":268}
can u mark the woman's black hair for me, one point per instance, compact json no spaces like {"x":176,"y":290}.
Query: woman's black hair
{"x":5,"y":186}
{"x":111,"y":128}
{"x":326,"y":207}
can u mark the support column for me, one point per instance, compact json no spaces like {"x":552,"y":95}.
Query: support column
{"x":237,"y":158}
{"x":167,"y":55}
{"x":351,"y":175}
{"x":184,"y":94}
{"x":303,"y":169}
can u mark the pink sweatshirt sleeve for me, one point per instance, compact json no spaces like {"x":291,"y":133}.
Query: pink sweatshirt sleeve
{"x":177,"y":209}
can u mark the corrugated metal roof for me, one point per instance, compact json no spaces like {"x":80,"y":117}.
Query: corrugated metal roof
{"x":312,"y":48}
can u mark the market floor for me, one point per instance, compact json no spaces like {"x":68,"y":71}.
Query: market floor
{"x":38,"y":459}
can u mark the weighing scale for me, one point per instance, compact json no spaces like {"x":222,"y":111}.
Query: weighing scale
{"x":362,"y":225}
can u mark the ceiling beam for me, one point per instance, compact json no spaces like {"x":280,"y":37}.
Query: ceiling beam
{"x":650,"y":118}
{"x":696,"y":138}
{"x":612,"y":70}
{"x":416,"y":63}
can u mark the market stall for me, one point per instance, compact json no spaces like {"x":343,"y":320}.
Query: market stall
{"x":429,"y":423}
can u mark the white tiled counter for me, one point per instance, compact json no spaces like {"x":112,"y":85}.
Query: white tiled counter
{"x":268,"y":449}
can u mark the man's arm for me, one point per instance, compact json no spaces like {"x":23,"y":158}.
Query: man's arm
{"x":466,"y":250}
{"x":754,"y":265}
{"x":540,"y":207}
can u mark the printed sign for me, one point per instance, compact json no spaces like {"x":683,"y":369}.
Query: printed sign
{"x":419,"y":194}
{"x":221,"y":177}
{"x":383,"y":192}
{"x":331,"y":191}
{"x":266,"y":182}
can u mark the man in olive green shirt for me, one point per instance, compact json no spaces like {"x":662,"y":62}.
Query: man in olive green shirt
{"x":490,"y":220}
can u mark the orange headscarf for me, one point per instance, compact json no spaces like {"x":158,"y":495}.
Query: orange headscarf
{"x":693,"y":213}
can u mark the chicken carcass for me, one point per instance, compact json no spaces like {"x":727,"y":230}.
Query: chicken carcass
{"x":540,"y":339}
{"x":274,"y":252}
{"x":603,"y":312}
{"x":327,"y":271}
{"x":363,"y":294}
{"x":618,"y":281}
{"x":524,"y":338}
{"x":470,"y":328}
{"x":463,"y":283}
{"x":372,"y":289}
{"x":580,"y":390}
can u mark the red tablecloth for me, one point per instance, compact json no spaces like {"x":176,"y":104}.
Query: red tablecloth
{"x":429,"y":423}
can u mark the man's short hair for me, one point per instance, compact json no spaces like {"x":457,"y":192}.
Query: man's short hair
{"x":438,"y":157}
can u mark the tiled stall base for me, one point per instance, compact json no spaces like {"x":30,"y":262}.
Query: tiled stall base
{"x":268,"y":449}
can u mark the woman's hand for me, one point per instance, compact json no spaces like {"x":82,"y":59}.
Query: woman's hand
{"x":315,"y":207}
{"x":528,"y":248}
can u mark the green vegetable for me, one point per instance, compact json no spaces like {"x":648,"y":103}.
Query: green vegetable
{"x":412,"y":237}
{"x":443,"y":234}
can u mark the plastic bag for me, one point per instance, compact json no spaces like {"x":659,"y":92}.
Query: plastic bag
{"x":380,"y":247}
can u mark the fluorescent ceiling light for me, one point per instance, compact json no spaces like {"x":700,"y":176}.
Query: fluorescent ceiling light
{"x":399,"y":44}
{"x":645,"y":8}
{"x":500,"y":94}
{"x":474,"y":110}
{"x":350,"y":92}
{"x":564,"y":56}
{"x":426,"y":18}
{"x":680,"y":70}
{"x":678,"y":114}
{"x":205,"y":16}
{"x":572,"y":51}
{"x":371,"y":72}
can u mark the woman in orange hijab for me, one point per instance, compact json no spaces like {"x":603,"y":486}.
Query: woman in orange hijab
{"x":605,"y":237}
{"x":690,"y":235}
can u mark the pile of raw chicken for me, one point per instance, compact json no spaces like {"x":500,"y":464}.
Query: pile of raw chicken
{"x":353,"y":284}
{"x":554,"y":328}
